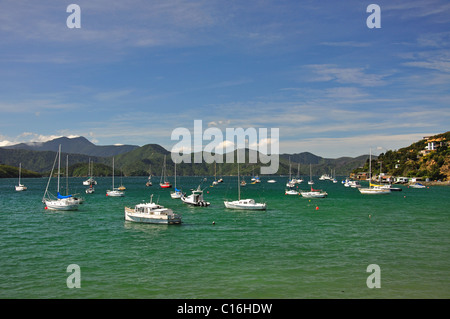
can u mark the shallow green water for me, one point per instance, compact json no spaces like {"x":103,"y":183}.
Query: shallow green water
{"x":292,"y":250}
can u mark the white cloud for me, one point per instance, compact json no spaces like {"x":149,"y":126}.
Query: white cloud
{"x":331,"y":72}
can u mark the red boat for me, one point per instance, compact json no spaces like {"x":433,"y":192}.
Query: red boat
{"x":163,"y":182}
{"x":165,"y":185}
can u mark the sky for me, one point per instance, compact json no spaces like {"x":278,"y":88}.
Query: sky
{"x":136,"y":70}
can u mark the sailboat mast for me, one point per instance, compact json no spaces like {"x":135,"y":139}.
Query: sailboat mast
{"x":67,"y":174}
{"x":20,"y":171}
{"x":59,"y":164}
{"x":239,"y":179}
{"x":175,"y":175}
{"x":113,"y":175}
{"x":370,"y":167}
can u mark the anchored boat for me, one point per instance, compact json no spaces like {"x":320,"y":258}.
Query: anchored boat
{"x":196,"y":198}
{"x":151,"y":213}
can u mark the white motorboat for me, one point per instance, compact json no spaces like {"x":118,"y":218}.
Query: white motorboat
{"x":114,"y":192}
{"x":151,"y":213}
{"x":196,"y":198}
{"x":89,"y":181}
{"x":290,"y":192}
{"x":417,"y":185}
{"x":90,"y":190}
{"x":61,"y":202}
{"x":247,"y":204}
{"x":20,"y":187}
{"x":271,"y":181}
{"x":354,"y":184}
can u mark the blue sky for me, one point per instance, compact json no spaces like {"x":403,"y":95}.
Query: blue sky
{"x":136,"y":70}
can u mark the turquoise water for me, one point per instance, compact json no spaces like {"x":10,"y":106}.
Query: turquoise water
{"x":292,"y":250}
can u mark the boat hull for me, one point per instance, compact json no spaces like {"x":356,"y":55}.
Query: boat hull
{"x":374,"y":191}
{"x":314,"y":194}
{"x":241,"y":206}
{"x":132,"y":216}
{"x":115,"y":193}
{"x":176,"y":195}
{"x":188,"y":200}
{"x":61,"y":205}
{"x":21,"y":188}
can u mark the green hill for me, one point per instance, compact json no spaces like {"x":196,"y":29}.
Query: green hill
{"x":11,"y":171}
{"x":140,"y":160}
{"x":416,"y":160}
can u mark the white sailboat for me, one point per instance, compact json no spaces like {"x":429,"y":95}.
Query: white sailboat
{"x":90,"y":181}
{"x":177,"y":193}
{"x":76,"y":199}
{"x":298,"y":180}
{"x":310,"y":182}
{"x":149,"y":180}
{"x":290,"y":182}
{"x":247,"y":204}
{"x":314,"y":193}
{"x":20,"y":187}
{"x":114,"y":192}
{"x":215,"y":181}
{"x":60,"y":202}
{"x":372,"y":189}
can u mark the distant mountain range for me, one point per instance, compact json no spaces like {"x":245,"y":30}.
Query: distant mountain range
{"x":77,"y":145}
{"x":133,"y":160}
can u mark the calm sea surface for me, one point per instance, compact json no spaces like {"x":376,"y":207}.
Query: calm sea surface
{"x":298,"y":248}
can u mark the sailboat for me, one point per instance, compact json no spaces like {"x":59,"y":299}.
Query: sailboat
{"x":372,"y":189}
{"x":310,"y":182}
{"x":121,"y":187}
{"x":20,"y":187}
{"x":60,"y":202}
{"x":165,"y":183}
{"x":314,"y":193}
{"x":114,"y":192}
{"x":90,"y":181}
{"x":149,"y":180}
{"x":215,"y":182}
{"x":177,"y":193}
{"x":76,"y":199}
{"x":247,"y":204}
{"x":290,"y":183}
{"x":298,"y":180}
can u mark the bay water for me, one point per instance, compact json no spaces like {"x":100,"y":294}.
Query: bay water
{"x":298,"y":248}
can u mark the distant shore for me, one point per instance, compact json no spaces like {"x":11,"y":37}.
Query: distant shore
{"x":434,"y":183}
